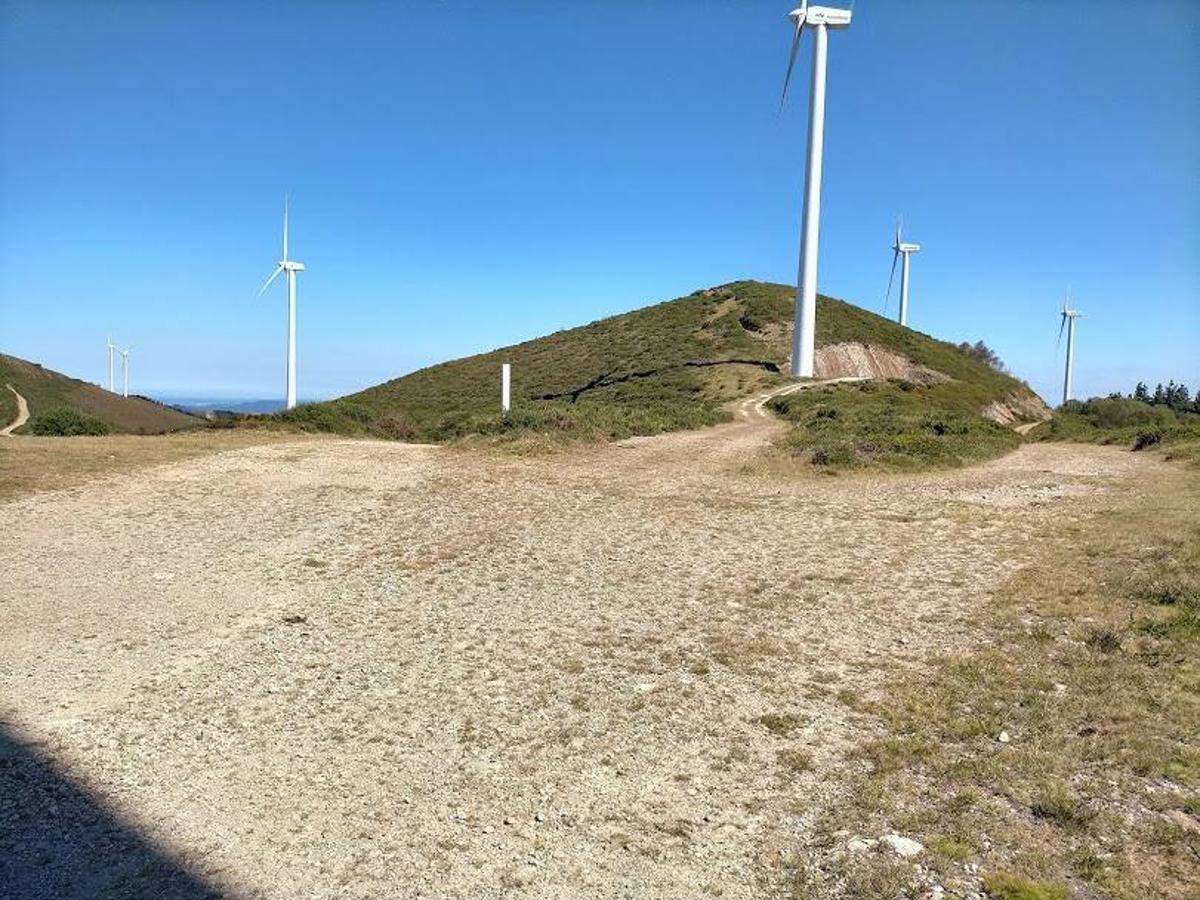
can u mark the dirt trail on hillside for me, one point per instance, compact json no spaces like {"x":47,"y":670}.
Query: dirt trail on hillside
{"x":363,"y":669}
{"x":22,"y":413}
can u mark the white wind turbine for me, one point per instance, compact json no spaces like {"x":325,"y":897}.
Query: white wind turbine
{"x":819,"y":19}
{"x":125,"y":368}
{"x":110,"y":346}
{"x":900,"y":249}
{"x":1068,"y":322}
{"x":291,"y":268}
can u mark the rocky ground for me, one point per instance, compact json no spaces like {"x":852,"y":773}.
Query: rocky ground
{"x":362,"y":669}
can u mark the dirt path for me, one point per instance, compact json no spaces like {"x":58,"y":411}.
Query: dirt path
{"x":22,"y":413}
{"x":363,"y":669}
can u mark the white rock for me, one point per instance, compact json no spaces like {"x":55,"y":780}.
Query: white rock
{"x":1003,"y":737}
{"x":859,"y":845}
{"x":901,"y":845}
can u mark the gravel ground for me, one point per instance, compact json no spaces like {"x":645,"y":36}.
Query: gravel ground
{"x":360,"y":669}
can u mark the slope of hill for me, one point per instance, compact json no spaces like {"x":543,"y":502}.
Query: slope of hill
{"x":669,"y":366}
{"x":50,"y":393}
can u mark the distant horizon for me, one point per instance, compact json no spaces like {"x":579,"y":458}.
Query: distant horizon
{"x":199,"y":396}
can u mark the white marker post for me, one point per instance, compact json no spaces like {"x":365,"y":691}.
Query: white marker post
{"x":505,"y":389}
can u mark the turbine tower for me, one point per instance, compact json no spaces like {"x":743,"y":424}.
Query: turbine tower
{"x":1068,"y":322}
{"x":900,"y":250}
{"x":291,"y":268}
{"x":125,"y":368}
{"x":820,"y":19}
{"x":111,"y":347}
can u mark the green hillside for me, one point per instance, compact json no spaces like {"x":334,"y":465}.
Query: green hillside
{"x":58,"y":403}
{"x":669,"y":366}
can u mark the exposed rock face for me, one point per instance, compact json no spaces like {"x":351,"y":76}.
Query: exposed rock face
{"x":852,"y":360}
{"x":1015,"y":408}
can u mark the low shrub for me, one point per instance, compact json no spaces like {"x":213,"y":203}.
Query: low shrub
{"x":1125,"y":422}
{"x":66,"y":422}
{"x":1147,"y":437}
{"x":894,"y":424}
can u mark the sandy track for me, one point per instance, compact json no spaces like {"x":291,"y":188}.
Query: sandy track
{"x":534,"y":677}
{"x":22,"y":413}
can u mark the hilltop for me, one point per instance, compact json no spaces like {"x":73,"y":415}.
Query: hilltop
{"x":51,"y":394}
{"x":664,"y":367}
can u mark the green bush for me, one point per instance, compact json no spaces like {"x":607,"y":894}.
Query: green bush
{"x":1126,"y":422}
{"x":895,"y":424}
{"x":65,"y":422}
{"x":1147,"y":437}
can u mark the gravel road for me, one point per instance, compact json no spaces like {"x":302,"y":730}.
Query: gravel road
{"x":364,"y":669}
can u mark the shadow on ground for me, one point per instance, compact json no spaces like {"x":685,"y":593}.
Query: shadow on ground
{"x":58,"y":840}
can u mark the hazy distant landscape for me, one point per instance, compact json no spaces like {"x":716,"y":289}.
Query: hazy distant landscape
{"x":199,"y":404}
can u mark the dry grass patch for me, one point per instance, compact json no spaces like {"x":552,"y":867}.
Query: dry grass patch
{"x":1060,"y":757}
{"x":31,"y":464}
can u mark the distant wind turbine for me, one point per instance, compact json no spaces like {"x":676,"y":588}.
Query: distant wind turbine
{"x":110,"y":347}
{"x":819,"y":19}
{"x":291,"y":268}
{"x":900,"y":250}
{"x":1068,"y":322}
{"x":125,"y":368}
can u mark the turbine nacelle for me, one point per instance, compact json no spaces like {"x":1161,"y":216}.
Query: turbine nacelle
{"x":288,"y":266}
{"x":829,"y":16}
{"x":906,"y":248}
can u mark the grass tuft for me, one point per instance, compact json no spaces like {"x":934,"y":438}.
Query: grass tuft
{"x":1006,"y":886}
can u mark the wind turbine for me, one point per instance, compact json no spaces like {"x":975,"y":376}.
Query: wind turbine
{"x":820,"y":19}
{"x":125,"y":368}
{"x":900,"y":250}
{"x":1068,"y":322}
{"x":111,"y":347}
{"x":291,"y":268}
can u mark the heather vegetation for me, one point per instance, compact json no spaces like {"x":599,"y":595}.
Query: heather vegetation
{"x":1166,"y":418}
{"x":60,"y":405}
{"x":893,"y":424}
{"x":62,"y":421}
{"x":671,"y":366}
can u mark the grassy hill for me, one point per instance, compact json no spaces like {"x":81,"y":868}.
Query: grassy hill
{"x":57,"y":401}
{"x":676,"y":365}
{"x":669,"y":366}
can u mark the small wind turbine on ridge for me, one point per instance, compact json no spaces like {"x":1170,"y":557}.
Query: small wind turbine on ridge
{"x":290,"y":268}
{"x":1068,"y":323}
{"x":110,"y":346}
{"x":125,"y":368}
{"x":900,"y":250}
{"x":819,"y":19}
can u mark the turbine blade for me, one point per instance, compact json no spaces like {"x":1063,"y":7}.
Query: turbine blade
{"x":891,"y":278}
{"x":899,"y":229}
{"x":787,"y":78}
{"x":274,"y":275}
{"x":285,"y":229}
{"x":1061,"y":326}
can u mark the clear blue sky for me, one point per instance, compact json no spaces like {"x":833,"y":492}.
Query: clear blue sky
{"x":468,"y":174}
